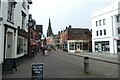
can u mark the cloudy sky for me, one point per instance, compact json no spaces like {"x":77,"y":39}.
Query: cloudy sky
{"x":65,"y":12}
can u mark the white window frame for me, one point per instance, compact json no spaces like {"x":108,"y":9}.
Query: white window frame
{"x":104,"y":21}
{"x":10,"y":16}
{"x":23,"y":20}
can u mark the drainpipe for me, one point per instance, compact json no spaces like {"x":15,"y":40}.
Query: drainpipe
{"x":5,"y":29}
{"x":113,"y":35}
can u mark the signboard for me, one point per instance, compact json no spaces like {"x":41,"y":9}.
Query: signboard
{"x":37,"y":71}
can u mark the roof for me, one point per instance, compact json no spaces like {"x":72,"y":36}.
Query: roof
{"x":112,"y":7}
{"x":78,"y":30}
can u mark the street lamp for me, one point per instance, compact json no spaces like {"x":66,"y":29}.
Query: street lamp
{"x":30,"y":24}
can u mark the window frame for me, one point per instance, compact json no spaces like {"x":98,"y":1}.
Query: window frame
{"x":100,"y":32}
{"x":104,"y":21}
{"x":97,"y":33}
{"x":104,"y":31}
{"x":10,"y":12}
{"x":118,"y":18}
{"x":96,"y":23}
{"x":100,"y":22}
{"x":23,"y":20}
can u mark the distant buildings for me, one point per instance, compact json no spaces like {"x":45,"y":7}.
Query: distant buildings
{"x":106,"y":29}
{"x":50,"y":35}
{"x":49,"y":30}
{"x":75,"y":39}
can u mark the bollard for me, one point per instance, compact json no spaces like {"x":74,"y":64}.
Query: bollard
{"x":86,"y":65}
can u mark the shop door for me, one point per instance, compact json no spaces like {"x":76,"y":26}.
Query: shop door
{"x":78,"y":47}
{"x":9,"y":45}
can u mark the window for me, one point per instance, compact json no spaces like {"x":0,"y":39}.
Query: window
{"x":20,"y":46}
{"x":97,"y":33}
{"x":31,"y":35}
{"x":100,"y":32}
{"x":104,"y":31}
{"x":102,"y":46}
{"x":24,"y":4}
{"x":10,"y":16}
{"x":119,"y":30}
{"x":118,"y":18}
{"x":104,"y":21}
{"x":96,"y":23}
{"x":71,"y":46}
{"x":23,"y":20}
{"x":36,"y":37}
{"x":100,"y":22}
{"x":85,"y":46}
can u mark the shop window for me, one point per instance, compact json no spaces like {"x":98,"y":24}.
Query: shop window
{"x":71,"y":46}
{"x":102,"y":46}
{"x":20,"y":46}
{"x":118,"y":45}
{"x":96,"y":47}
{"x":85,"y":46}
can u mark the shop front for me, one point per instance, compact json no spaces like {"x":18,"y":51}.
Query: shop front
{"x":118,"y":46}
{"x":102,"y":46}
{"x":78,"y":45}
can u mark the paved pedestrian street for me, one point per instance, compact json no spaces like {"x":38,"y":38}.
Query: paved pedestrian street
{"x":57,"y":64}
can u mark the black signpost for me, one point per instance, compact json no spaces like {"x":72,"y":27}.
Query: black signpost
{"x":37,"y":71}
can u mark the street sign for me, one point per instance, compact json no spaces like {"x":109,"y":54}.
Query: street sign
{"x":37,"y":71}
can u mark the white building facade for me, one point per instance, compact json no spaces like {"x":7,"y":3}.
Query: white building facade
{"x":106,"y":29}
{"x":1,"y":41}
{"x":21,"y":19}
{"x":13,"y":14}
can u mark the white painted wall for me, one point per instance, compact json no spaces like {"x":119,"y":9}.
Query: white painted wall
{"x":18,"y":22}
{"x":1,"y":42}
{"x":109,"y":14}
{"x":1,"y":37}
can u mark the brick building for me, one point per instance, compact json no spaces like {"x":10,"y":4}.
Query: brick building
{"x":75,"y":39}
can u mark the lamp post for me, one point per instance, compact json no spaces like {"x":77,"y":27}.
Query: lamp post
{"x":30,"y":24}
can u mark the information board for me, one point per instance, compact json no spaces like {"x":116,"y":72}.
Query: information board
{"x":37,"y":71}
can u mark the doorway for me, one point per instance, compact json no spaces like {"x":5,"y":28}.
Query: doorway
{"x":77,"y":47}
{"x":9,"y":45}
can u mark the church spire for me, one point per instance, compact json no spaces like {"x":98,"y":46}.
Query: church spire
{"x":49,"y":30}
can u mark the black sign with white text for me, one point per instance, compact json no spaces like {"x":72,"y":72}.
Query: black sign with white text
{"x":37,"y":71}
